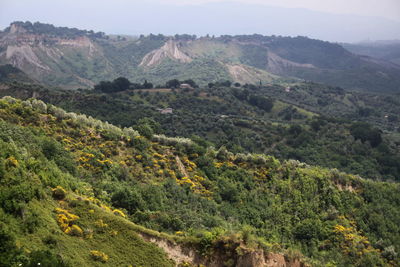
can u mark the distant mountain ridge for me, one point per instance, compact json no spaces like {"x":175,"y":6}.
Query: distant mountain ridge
{"x":385,"y":50}
{"x":73,"y":58}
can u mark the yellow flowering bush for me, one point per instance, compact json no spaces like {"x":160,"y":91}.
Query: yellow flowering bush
{"x":105,"y":207}
{"x":157,"y":155}
{"x":93,"y":200}
{"x":99,"y":256}
{"x":100,"y":224}
{"x":218,"y":164}
{"x":171,"y":173}
{"x":189,"y":163}
{"x":350,"y":240}
{"x":119,"y":213}
{"x":74,"y":230}
{"x":195,"y":184}
{"x":65,"y":220}
{"x":113,"y":233}
{"x":12,"y":162}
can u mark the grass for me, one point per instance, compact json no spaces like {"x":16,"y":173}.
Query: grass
{"x":280,"y":106}
{"x":119,"y":240}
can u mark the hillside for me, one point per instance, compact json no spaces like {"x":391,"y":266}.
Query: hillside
{"x":223,"y":205}
{"x":385,"y":50}
{"x":52,"y":213}
{"x":73,"y":58}
{"x":320,"y":125}
{"x":8,"y":74}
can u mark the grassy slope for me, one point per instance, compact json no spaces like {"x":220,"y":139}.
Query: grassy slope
{"x":119,"y":240}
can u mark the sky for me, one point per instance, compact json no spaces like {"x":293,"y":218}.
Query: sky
{"x":389,"y":9}
{"x":331,"y":20}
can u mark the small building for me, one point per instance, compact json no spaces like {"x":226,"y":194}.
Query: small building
{"x":165,"y":110}
{"x":185,"y":86}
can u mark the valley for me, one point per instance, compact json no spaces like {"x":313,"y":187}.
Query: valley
{"x":156,"y":150}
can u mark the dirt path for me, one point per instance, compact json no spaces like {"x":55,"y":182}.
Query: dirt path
{"x":181,"y":167}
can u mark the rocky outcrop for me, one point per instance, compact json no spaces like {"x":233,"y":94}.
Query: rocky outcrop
{"x":41,"y":56}
{"x":169,"y":50}
{"x":20,"y":55}
{"x":225,"y":253}
{"x":246,"y":74}
{"x":277,"y":64}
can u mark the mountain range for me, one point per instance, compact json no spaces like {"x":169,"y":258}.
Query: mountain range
{"x":72,"y":58}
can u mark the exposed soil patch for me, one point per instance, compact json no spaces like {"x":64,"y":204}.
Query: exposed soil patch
{"x":169,"y":50}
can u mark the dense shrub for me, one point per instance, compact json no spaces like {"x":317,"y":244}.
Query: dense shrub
{"x":59,"y":193}
{"x":366,"y":132}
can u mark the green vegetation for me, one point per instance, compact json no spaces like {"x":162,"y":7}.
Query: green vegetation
{"x":31,"y":215}
{"x":51,"y":30}
{"x":120,"y":84}
{"x":312,"y":123}
{"x":8,"y":73}
{"x":178,"y":186}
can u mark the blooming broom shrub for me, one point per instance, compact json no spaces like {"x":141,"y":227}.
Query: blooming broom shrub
{"x":119,"y":213}
{"x":65,"y":220}
{"x":74,"y":230}
{"x":99,"y":256}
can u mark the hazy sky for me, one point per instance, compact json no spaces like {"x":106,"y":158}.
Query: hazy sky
{"x":333,"y":20}
{"x":383,"y":8}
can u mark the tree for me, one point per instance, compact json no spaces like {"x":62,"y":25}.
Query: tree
{"x":261,"y":102}
{"x":104,"y":86}
{"x":129,"y":199}
{"x":147,"y":85}
{"x":295,"y":130}
{"x":121,"y":84}
{"x":226,"y":83}
{"x":175,"y":83}
{"x":136,"y":86}
{"x":241,"y":94}
{"x":364,"y":132}
{"x":309,"y":229}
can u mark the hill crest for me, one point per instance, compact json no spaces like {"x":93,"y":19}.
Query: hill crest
{"x":73,"y":58}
